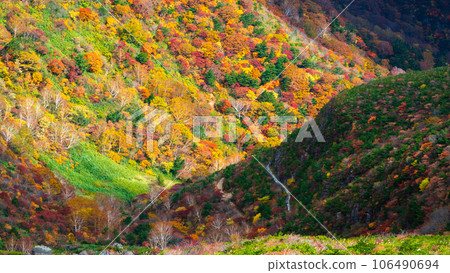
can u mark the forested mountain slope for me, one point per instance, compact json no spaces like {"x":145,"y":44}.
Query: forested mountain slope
{"x":77,"y":77}
{"x":407,"y":34}
{"x":383,"y":168}
{"x":74,"y":73}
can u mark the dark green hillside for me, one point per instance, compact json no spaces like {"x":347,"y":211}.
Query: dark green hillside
{"x":384,"y":166}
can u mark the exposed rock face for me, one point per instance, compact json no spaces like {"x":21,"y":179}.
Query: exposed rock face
{"x":226,"y":195}
{"x":397,"y":71}
{"x":41,"y":250}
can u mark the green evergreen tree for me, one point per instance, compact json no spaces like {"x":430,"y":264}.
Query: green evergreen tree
{"x":284,"y":83}
{"x":142,"y":57}
{"x":261,"y":49}
{"x":269,"y":74}
{"x":210,"y":79}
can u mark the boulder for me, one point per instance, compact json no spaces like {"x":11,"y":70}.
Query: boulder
{"x":87,"y":252}
{"x":397,"y":71}
{"x":118,"y":245}
{"x":41,"y":250}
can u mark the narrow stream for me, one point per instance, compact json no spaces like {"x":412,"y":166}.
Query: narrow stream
{"x":282,"y":185}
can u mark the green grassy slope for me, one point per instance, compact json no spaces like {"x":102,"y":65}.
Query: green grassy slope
{"x":321,"y":245}
{"x":93,"y":172}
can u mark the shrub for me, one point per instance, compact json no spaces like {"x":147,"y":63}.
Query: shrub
{"x":142,"y":57}
{"x":363,"y":247}
{"x":265,"y":210}
{"x":207,"y":209}
{"x":115,"y":116}
{"x":81,"y":62}
{"x":424,"y":184}
{"x":56,"y":66}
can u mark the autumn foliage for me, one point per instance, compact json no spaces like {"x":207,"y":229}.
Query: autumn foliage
{"x":96,"y":106}
{"x":56,"y":66}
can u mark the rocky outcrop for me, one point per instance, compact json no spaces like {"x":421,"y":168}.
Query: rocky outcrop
{"x":41,"y":250}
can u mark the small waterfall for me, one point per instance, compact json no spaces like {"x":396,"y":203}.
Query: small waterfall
{"x":282,"y":185}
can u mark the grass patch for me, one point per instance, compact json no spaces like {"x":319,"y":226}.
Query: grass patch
{"x":368,"y":245}
{"x":93,"y":172}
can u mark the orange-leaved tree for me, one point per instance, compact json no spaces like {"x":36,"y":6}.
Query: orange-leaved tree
{"x":95,"y":61}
